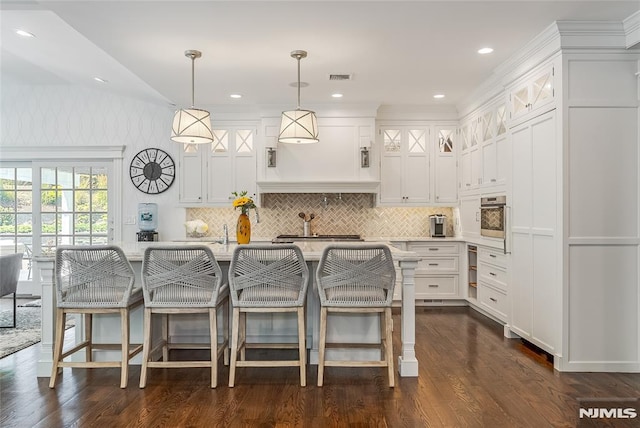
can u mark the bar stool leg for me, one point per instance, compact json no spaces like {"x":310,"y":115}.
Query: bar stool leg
{"x":302,"y":348}
{"x":59,"y":342}
{"x":322,"y":344}
{"x":234,"y":345}
{"x":124,"y":363}
{"x":88,"y":334}
{"x":146,"y":347}
{"x":388,"y":346}
{"x":213,"y":333}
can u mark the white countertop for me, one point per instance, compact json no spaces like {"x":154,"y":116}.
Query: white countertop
{"x":310,"y":250}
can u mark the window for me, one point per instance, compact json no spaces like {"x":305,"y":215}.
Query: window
{"x":16,"y":215}
{"x":74,"y":206}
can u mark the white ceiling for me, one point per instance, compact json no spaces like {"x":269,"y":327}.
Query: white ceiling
{"x":399,"y":52}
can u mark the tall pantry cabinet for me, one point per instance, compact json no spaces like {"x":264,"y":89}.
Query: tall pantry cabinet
{"x":574,"y":197}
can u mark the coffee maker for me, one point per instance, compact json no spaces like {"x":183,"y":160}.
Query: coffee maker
{"x":438,"y":224}
{"x":147,"y":222}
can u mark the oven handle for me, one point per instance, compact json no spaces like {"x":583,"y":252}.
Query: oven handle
{"x":505,"y":227}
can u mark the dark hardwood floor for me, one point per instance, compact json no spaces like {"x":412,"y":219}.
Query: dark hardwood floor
{"x":469,"y":376}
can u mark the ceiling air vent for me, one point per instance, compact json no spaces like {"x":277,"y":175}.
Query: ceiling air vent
{"x":340,"y":76}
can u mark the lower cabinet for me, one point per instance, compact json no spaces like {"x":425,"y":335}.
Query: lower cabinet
{"x":492,"y":285}
{"x":437,"y":273}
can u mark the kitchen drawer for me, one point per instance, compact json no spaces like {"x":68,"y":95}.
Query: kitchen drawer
{"x":437,"y":264}
{"x":495,"y":257}
{"x":433,"y":249}
{"x":493,"y":275}
{"x":429,"y":287}
{"x":493,"y":301}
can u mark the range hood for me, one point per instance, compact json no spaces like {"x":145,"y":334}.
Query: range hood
{"x":359,"y":186}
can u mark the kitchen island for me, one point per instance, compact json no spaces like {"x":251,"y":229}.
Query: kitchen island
{"x":191,"y":328}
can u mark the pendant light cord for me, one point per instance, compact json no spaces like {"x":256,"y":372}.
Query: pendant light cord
{"x":298,"y":57}
{"x":193,"y":73}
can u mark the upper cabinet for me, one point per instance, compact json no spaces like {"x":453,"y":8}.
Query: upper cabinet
{"x":404,"y":165}
{"x":446,"y":171}
{"x":533,"y":94}
{"x":210,"y":172}
{"x":485,"y":156}
{"x":418,"y":164}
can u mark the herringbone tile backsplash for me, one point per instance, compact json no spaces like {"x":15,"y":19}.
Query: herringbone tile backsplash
{"x":352,"y":213}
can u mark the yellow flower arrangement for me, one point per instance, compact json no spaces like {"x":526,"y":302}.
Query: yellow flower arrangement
{"x":243,"y":202}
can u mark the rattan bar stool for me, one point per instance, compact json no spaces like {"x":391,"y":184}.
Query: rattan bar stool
{"x":183,"y":280}
{"x":94,"y":280}
{"x":267,"y":278}
{"x":356,"y":279}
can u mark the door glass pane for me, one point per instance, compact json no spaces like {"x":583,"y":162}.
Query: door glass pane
{"x":445,"y":143}
{"x":64,"y":201}
{"x":417,"y":141}
{"x":220,"y":142}
{"x":98,"y":223}
{"x":65,"y":178}
{"x":391,"y":140}
{"x":82,"y":200}
{"x":542,"y":89}
{"x":501,"y":119}
{"x":99,"y":200}
{"x":244,"y":141}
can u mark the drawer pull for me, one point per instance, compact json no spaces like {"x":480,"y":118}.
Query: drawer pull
{"x":434,"y":285}
{"x":493,"y":300}
{"x":492,"y":274}
{"x":492,"y":255}
{"x":433,"y":264}
{"x":433,"y":249}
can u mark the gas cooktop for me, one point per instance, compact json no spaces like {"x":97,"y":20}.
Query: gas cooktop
{"x":291,"y":238}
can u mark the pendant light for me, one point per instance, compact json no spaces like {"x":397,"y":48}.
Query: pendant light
{"x":192,"y":125}
{"x":298,"y":126}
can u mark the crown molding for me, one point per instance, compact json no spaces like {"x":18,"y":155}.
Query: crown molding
{"x":632,"y":29}
{"x":36,"y":153}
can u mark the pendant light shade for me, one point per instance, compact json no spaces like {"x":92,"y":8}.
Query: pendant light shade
{"x":298,"y":126}
{"x":192,"y":125}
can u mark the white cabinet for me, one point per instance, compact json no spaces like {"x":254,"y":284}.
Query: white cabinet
{"x":470,"y":157}
{"x":494,"y":148}
{"x":532,"y":93}
{"x":446,"y":171}
{"x":404,"y":165}
{"x":470,"y":216}
{"x":492,"y":275}
{"x":535,"y":255}
{"x":418,"y":164}
{"x":190,"y":175}
{"x":437,"y":273}
{"x":210,"y":172}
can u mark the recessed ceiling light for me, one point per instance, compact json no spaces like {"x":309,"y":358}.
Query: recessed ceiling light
{"x":100,"y":79}
{"x":336,"y":95}
{"x":438,"y":96}
{"x":24,"y":33}
{"x":236,"y":96}
{"x":485,"y":51}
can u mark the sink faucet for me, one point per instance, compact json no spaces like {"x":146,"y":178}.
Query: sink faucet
{"x":225,"y":230}
{"x":224,"y":240}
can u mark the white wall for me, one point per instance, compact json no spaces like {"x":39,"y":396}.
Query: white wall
{"x":64,"y":115}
